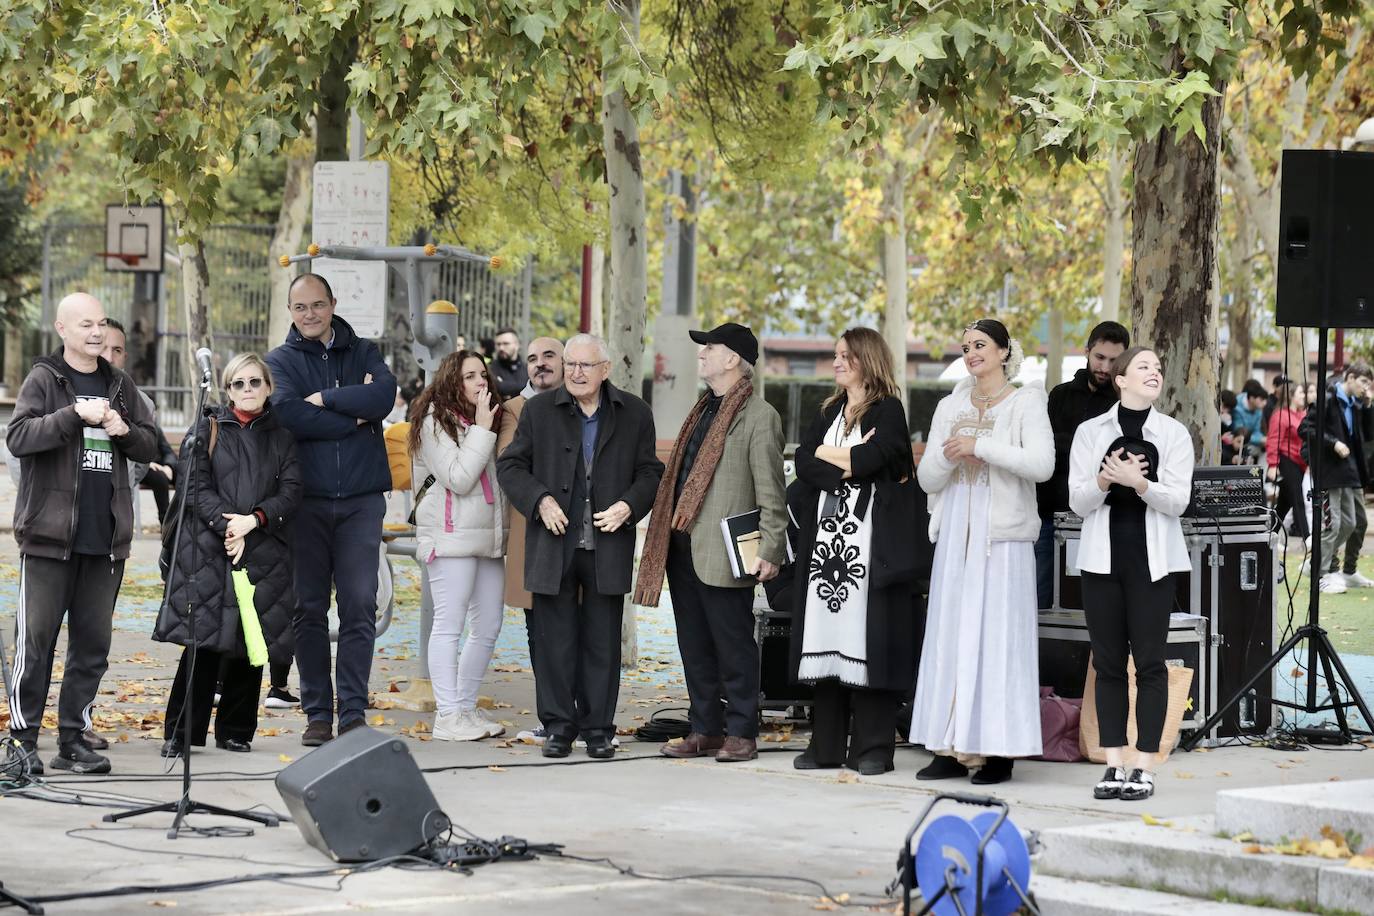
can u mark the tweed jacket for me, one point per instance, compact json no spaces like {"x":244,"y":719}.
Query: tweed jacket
{"x":748,"y":477}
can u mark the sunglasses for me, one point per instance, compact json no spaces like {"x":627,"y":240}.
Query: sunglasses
{"x":239,"y":384}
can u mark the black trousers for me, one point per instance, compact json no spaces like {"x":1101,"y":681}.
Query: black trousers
{"x":577,"y":683}
{"x":280,"y":671}
{"x":852,"y":724}
{"x":1128,"y":614}
{"x":715,"y":634}
{"x":1290,"y":497}
{"x":162,"y":492}
{"x":237,"y":715}
{"x":82,"y":590}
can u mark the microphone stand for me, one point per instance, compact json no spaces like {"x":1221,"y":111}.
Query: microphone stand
{"x":185,"y":805}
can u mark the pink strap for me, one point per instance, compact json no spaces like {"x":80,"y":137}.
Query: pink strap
{"x":486,"y":482}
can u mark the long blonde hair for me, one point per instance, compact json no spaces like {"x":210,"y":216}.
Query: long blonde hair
{"x":868,"y":353}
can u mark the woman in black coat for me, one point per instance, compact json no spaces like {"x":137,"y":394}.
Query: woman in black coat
{"x":245,"y":487}
{"x":855,"y":605}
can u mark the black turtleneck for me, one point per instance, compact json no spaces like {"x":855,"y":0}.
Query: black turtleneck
{"x":1128,"y":509}
{"x":689,"y":452}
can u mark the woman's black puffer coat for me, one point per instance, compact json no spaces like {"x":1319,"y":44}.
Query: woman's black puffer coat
{"x":253,"y":467}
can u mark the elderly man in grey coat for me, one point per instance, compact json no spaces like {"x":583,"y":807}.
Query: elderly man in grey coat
{"x":582,"y":469}
{"x":727,"y":462}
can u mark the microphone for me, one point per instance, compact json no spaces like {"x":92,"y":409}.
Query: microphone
{"x":203,"y":360}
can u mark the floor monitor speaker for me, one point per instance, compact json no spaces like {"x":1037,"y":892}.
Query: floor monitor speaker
{"x":361,"y":797}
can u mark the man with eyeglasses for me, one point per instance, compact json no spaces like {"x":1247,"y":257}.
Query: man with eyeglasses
{"x":332,"y":391}
{"x":582,"y":469}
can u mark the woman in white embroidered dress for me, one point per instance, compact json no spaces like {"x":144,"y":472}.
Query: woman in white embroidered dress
{"x":977,"y":690}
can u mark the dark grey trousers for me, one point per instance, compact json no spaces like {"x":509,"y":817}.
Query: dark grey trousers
{"x":83,"y":590}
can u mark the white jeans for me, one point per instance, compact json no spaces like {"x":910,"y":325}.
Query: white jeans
{"x":467,"y":591}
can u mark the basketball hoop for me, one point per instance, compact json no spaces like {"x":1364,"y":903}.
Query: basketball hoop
{"x":133,"y":238}
{"x":129,"y":259}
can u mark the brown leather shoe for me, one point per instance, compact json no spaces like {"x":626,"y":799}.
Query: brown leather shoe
{"x":317,"y":733}
{"x":96,"y":742}
{"x":694,"y":745}
{"x":736,"y":749}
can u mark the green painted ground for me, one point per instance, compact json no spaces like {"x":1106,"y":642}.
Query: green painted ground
{"x":1349,"y":618}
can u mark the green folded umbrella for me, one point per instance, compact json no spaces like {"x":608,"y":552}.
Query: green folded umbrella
{"x":252,"y":628}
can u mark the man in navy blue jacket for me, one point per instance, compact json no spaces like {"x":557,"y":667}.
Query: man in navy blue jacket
{"x":332,"y":390}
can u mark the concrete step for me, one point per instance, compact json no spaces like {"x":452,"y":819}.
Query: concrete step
{"x":1299,"y":811}
{"x":1188,"y":858}
{"x":1070,"y":897}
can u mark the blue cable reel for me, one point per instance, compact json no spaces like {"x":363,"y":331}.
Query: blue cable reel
{"x":961,"y":867}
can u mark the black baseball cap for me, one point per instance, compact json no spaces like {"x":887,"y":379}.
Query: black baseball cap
{"x":735,"y":336}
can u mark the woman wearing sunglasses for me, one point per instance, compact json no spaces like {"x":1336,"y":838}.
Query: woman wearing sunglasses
{"x":245,"y":488}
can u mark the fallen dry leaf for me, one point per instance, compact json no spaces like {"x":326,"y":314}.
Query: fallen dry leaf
{"x":1152,"y":821}
{"x":496,"y":769}
{"x":377,"y":721}
{"x":285,"y":758}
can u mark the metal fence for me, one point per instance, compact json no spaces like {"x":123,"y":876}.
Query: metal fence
{"x":240,"y":302}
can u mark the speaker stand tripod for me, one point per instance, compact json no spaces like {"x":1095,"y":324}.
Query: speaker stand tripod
{"x":1319,"y":647}
{"x":10,"y":898}
{"x":185,"y":805}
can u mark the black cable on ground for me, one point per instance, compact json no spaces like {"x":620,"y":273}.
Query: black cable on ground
{"x":661,"y":729}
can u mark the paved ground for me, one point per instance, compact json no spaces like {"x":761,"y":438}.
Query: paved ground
{"x":712,"y":821}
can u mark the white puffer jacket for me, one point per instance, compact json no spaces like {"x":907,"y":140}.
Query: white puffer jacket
{"x":455,"y":519}
{"x":1019,"y":453}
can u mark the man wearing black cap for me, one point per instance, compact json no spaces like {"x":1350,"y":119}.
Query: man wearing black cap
{"x":727,"y":461}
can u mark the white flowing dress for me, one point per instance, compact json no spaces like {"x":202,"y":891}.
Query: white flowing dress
{"x":977,"y":690}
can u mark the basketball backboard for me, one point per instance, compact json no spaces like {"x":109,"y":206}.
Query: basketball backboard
{"x":133,"y":238}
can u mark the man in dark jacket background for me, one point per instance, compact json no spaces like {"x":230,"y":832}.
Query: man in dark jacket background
{"x":77,"y":422}
{"x":583,"y":470}
{"x":507,"y":365}
{"x":1342,"y":475}
{"x":1090,"y":393}
{"x":332,"y":391}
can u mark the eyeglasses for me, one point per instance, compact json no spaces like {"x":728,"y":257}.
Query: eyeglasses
{"x":578,"y":368}
{"x":300,"y":308}
{"x":239,"y":384}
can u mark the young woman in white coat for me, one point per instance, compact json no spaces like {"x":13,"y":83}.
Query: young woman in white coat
{"x":1130,"y":478}
{"x":978,"y":688}
{"x":461,"y":529}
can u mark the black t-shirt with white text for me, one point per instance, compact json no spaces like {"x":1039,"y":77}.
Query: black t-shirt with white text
{"x":95,"y":518}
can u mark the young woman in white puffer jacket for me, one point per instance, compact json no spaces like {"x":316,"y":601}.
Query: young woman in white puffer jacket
{"x":461,"y":530}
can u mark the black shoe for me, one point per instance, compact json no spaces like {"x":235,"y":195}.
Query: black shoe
{"x":942,"y":767}
{"x":75,"y":757}
{"x":556,"y":746}
{"x":1110,"y":784}
{"x":1139,"y":786}
{"x":872,"y":766}
{"x":806,"y":760}
{"x":997,"y":769}
{"x":346,"y":727}
{"x":233,"y":744}
{"x":317,"y":733}
{"x":281,"y":698}
{"x":28,"y":752}
{"x":600,"y":748}
{"x":172,"y":747}
{"x":96,"y":742}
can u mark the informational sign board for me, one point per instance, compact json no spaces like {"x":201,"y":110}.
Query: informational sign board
{"x":351,"y":208}
{"x":133,"y":238}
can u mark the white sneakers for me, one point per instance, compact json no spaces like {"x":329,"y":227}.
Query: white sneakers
{"x":1356,"y":580}
{"x":465,"y":725}
{"x":1333,"y":584}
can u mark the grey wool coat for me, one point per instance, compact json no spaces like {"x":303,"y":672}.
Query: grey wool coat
{"x":542,"y":461}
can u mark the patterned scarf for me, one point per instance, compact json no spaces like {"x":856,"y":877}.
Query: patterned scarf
{"x":665,"y":519}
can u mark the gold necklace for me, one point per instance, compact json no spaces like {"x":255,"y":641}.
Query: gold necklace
{"x":992,"y":397}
